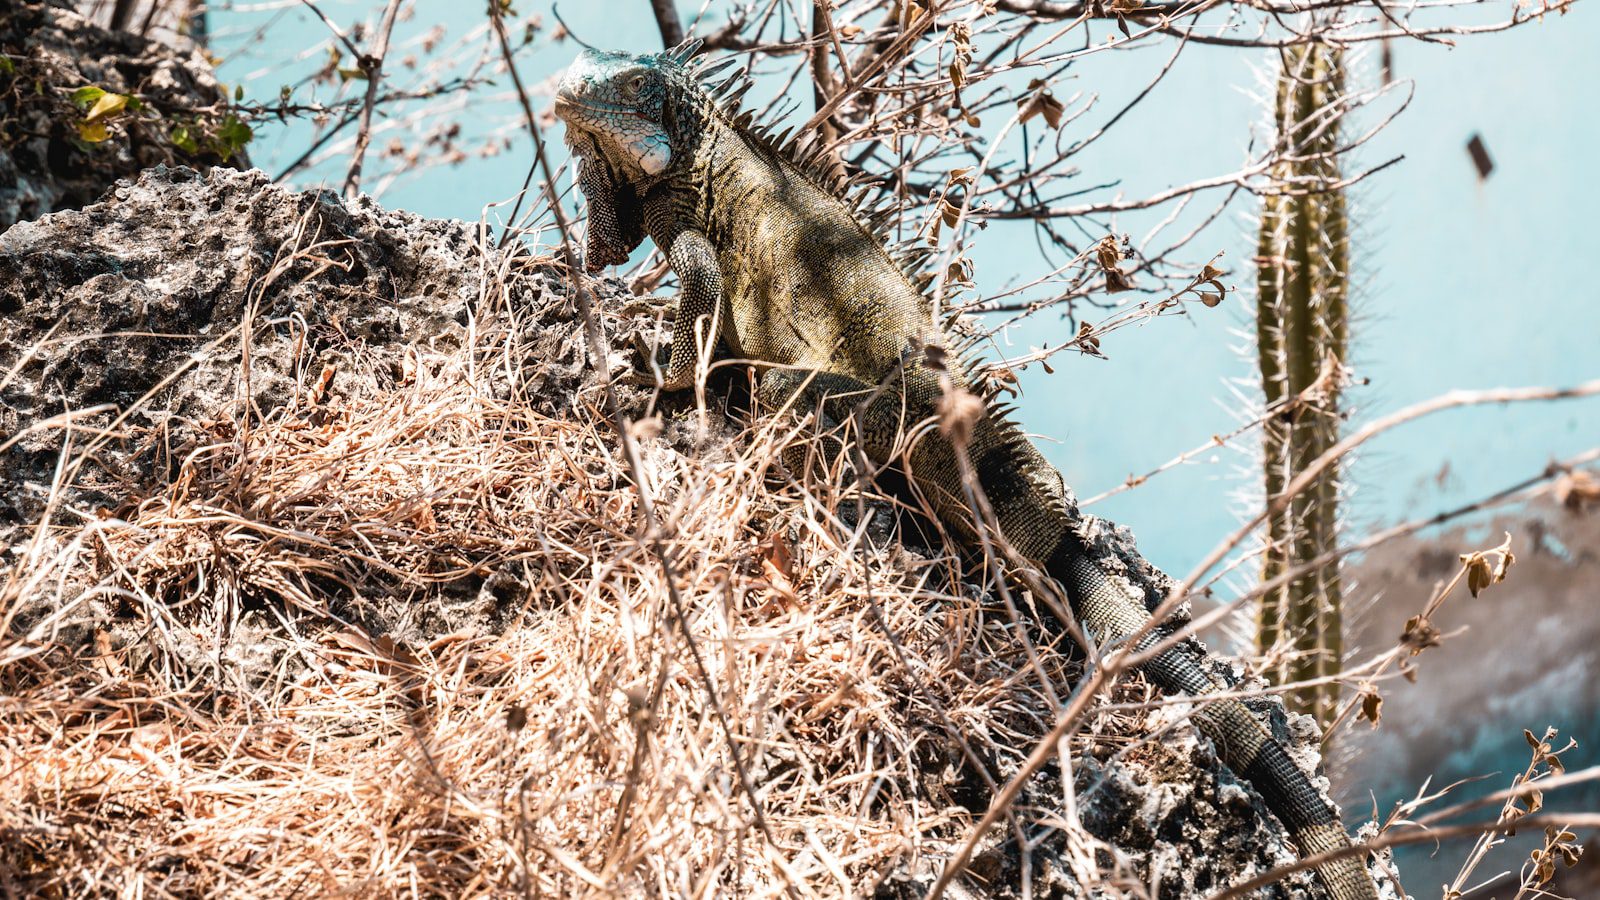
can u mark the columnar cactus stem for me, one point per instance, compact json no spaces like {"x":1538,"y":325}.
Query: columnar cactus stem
{"x":1302,"y":315}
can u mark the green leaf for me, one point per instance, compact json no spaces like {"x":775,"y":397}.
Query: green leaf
{"x":7,"y":66}
{"x":106,"y":106}
{"x":352,"y":75}
{"x":235,"y":132}
{"x":85,"y":97}
{"x":233,"y":135}
{"x":238,"y":93}
{"x":184,"y":140}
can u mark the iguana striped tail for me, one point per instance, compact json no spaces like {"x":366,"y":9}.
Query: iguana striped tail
{"x":1243,"y":743}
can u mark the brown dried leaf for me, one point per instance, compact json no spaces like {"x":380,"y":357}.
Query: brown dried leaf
{"x":1540,"y":747}
{"x":1052,"y":108}
{"x":1041,"y":103}
{"x":319,"y":391}
{"x":1108,"y":255}
{"x":1569,"y":854}
{"x":776,"y":554}
{"x":959,"y":410}
{"x":1544,"y":867}
{"x":1419,"y":634}
{"x":1479,"y":573}
{"x":1087,"y":342}
{"x":949,"y":212}
{"x":1371,"y":706}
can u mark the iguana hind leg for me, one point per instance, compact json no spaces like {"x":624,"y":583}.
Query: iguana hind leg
{"x":835,"y":399}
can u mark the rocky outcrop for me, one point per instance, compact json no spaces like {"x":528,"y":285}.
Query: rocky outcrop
{"x":48,"y":53}
{"x":161,"y":349}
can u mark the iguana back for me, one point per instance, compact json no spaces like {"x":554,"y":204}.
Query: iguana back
{"x":808,"y":283}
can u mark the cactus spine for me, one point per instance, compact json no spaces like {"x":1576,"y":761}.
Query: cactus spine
{"x":1302,"y":318}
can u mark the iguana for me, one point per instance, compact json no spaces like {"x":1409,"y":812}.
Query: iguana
{"x":786,"y":272}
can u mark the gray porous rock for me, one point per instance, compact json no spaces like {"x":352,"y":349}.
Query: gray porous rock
{"x":52,"y":51}
{"x":132,"y":308}
{"x":146,"y":290}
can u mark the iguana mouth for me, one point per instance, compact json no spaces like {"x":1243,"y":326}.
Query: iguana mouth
{"x":564,"y":105}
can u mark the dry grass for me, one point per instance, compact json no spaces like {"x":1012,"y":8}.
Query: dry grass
{"x":207,"y":713}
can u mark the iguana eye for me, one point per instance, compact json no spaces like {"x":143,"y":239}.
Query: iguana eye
{"x":637,"y":84}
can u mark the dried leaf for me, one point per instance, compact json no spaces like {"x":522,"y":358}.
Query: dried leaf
{"x":777,"y":567}
{"x":1052,"y":109}
{"x":1086,"y":340}
{"x":1479,"y":573}
{"x":949,"y":212}
{"x":1371,"y":707}
{"x":319,"y":390}
{"x":1540,"y":747}
{"x":1108,"y":255}
{"x":1419,"y":634}
{"x":1544,"y":867}
{"x":776,"y":554}
{"x":959,"y":410}
{"x":1041,"y":103}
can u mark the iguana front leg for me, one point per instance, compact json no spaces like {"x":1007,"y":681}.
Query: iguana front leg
{"x":702,"y":309}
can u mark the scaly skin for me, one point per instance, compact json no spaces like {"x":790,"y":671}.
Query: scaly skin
{"x":784,"y":272}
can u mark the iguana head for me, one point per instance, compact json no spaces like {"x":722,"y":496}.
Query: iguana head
{"x":629,"y":118}
{"x":618,"y":102}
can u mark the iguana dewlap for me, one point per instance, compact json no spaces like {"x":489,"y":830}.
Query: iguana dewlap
{"x":785,"y":272}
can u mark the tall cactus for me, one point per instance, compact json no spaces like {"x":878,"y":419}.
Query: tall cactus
{"x":1302,"y":319}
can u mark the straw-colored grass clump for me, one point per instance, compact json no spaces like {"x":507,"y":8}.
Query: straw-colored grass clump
{"x":413,"y":642}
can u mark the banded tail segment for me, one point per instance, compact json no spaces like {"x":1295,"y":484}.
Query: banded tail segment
{"x":1243,"y":743}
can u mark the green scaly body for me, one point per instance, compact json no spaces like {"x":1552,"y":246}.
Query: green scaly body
{"x":785,"y":272}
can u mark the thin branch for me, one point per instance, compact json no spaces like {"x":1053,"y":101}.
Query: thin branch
{"x":666,"y":12}
{"x":371,"y":66}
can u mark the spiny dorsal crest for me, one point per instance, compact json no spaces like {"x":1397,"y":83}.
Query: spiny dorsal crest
{"x":800,"y":148}
{"x":875,"y":209}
